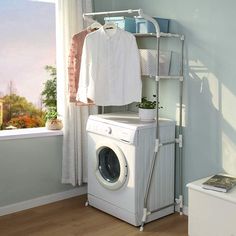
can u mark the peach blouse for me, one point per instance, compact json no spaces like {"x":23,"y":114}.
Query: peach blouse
{"x":74,"y":65}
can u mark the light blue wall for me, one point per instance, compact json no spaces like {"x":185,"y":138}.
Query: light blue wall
{"x":30,"y":168}
{"x":210,"y":86}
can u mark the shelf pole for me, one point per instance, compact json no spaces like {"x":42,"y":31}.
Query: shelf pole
{"x":129,"y":11}
{"x":181,"y":130}
{"x":157,"y":145}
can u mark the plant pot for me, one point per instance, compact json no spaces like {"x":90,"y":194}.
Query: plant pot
{"x":147,"y":114}
{"x":54,"y":124}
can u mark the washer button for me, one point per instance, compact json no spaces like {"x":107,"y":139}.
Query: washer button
{"x":108,"y":130}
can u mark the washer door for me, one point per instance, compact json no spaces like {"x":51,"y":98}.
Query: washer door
{"x":111,"y":167}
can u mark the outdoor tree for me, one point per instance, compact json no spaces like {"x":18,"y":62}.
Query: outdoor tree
{"x":20,"y":113}
{"x":16,"y":107}
{"x":26,"y":121}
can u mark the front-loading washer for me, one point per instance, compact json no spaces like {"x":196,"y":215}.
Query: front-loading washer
{"x":120,"y":149}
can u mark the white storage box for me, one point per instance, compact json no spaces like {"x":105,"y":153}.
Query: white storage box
{"x":211,"y":213}
{"x":144,"y":26}
{"x":125,"y":23}
{"x":149,"y":62}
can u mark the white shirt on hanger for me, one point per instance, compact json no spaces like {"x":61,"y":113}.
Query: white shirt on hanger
{"x":110,"y":71}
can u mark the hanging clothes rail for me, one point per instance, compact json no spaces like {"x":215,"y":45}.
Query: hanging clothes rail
{"x":179,"y":140}
{"x":130,"y":11}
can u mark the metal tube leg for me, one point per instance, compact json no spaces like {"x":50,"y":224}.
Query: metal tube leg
{"x":145,"y":214}
{"x":145,"y":211}
{"x":181,"y":205}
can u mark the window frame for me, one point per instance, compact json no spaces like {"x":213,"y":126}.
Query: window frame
{"x":35,"y":132}
{"x":28,"y":133}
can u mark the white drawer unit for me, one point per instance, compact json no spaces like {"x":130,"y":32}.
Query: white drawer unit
{"x":211,"y":213}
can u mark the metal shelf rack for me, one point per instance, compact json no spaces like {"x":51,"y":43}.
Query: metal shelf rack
{"x":158,"y":77}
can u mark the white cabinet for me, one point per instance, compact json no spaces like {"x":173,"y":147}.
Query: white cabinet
{"x":211,"y":213}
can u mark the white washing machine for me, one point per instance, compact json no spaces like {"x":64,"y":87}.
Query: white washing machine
{"x":120,"y":149}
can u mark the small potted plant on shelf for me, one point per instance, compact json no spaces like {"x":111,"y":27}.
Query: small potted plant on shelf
{"x":52,"y":121}
{"x":147,"y":109}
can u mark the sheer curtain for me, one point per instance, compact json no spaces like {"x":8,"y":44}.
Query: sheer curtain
{"x":69,"y":21}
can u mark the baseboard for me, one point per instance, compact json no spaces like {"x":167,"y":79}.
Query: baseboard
{"x":20,"y":206}
{"x":185,"y":210}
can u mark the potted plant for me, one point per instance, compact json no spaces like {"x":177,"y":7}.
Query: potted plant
{"x":147,"y":109}
{"x":52,"y":121}
{"x":49,"y":99}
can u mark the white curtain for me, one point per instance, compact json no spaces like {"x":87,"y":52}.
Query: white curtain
{"x":69,"y":21}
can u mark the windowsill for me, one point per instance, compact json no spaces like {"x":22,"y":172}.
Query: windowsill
{"x":28,"y":133}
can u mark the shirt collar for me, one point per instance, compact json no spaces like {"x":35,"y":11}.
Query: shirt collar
{"x":109,"y":33}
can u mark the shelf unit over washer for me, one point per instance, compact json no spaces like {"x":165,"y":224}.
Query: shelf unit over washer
{"x":158,"y":77}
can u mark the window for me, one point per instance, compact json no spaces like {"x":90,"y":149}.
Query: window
{"x":27,"y":61}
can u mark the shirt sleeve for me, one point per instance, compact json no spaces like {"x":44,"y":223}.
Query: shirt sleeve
{"x":84,"y":75}
{"x":72,"y":71}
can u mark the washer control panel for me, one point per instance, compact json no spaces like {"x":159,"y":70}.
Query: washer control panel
{"x":123,"y":134}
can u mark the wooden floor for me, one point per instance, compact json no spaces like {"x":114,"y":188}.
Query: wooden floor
{"x":71,"y":217}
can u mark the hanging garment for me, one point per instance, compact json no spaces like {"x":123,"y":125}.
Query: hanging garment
{"x":110,"y":71}
{"x":74,"y":65}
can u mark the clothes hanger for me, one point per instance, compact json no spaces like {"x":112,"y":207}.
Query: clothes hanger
{"x":110,"y":25}
{"x":94,"y":26}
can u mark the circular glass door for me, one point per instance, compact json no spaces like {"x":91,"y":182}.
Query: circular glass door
{"x":108,"y":165}
{"x":111,"y":167}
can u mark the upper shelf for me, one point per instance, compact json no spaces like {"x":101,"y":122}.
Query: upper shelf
{"x":166,"y":77}
{"x":164,"y":35}
{"x":140,"y":12}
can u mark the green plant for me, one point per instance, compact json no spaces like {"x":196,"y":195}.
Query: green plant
{"x":148,"y":104}
{"x":51,"y":113}
{"x":49,"y":93}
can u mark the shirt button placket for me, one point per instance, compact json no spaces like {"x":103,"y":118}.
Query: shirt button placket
{"x":109,"y":60}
